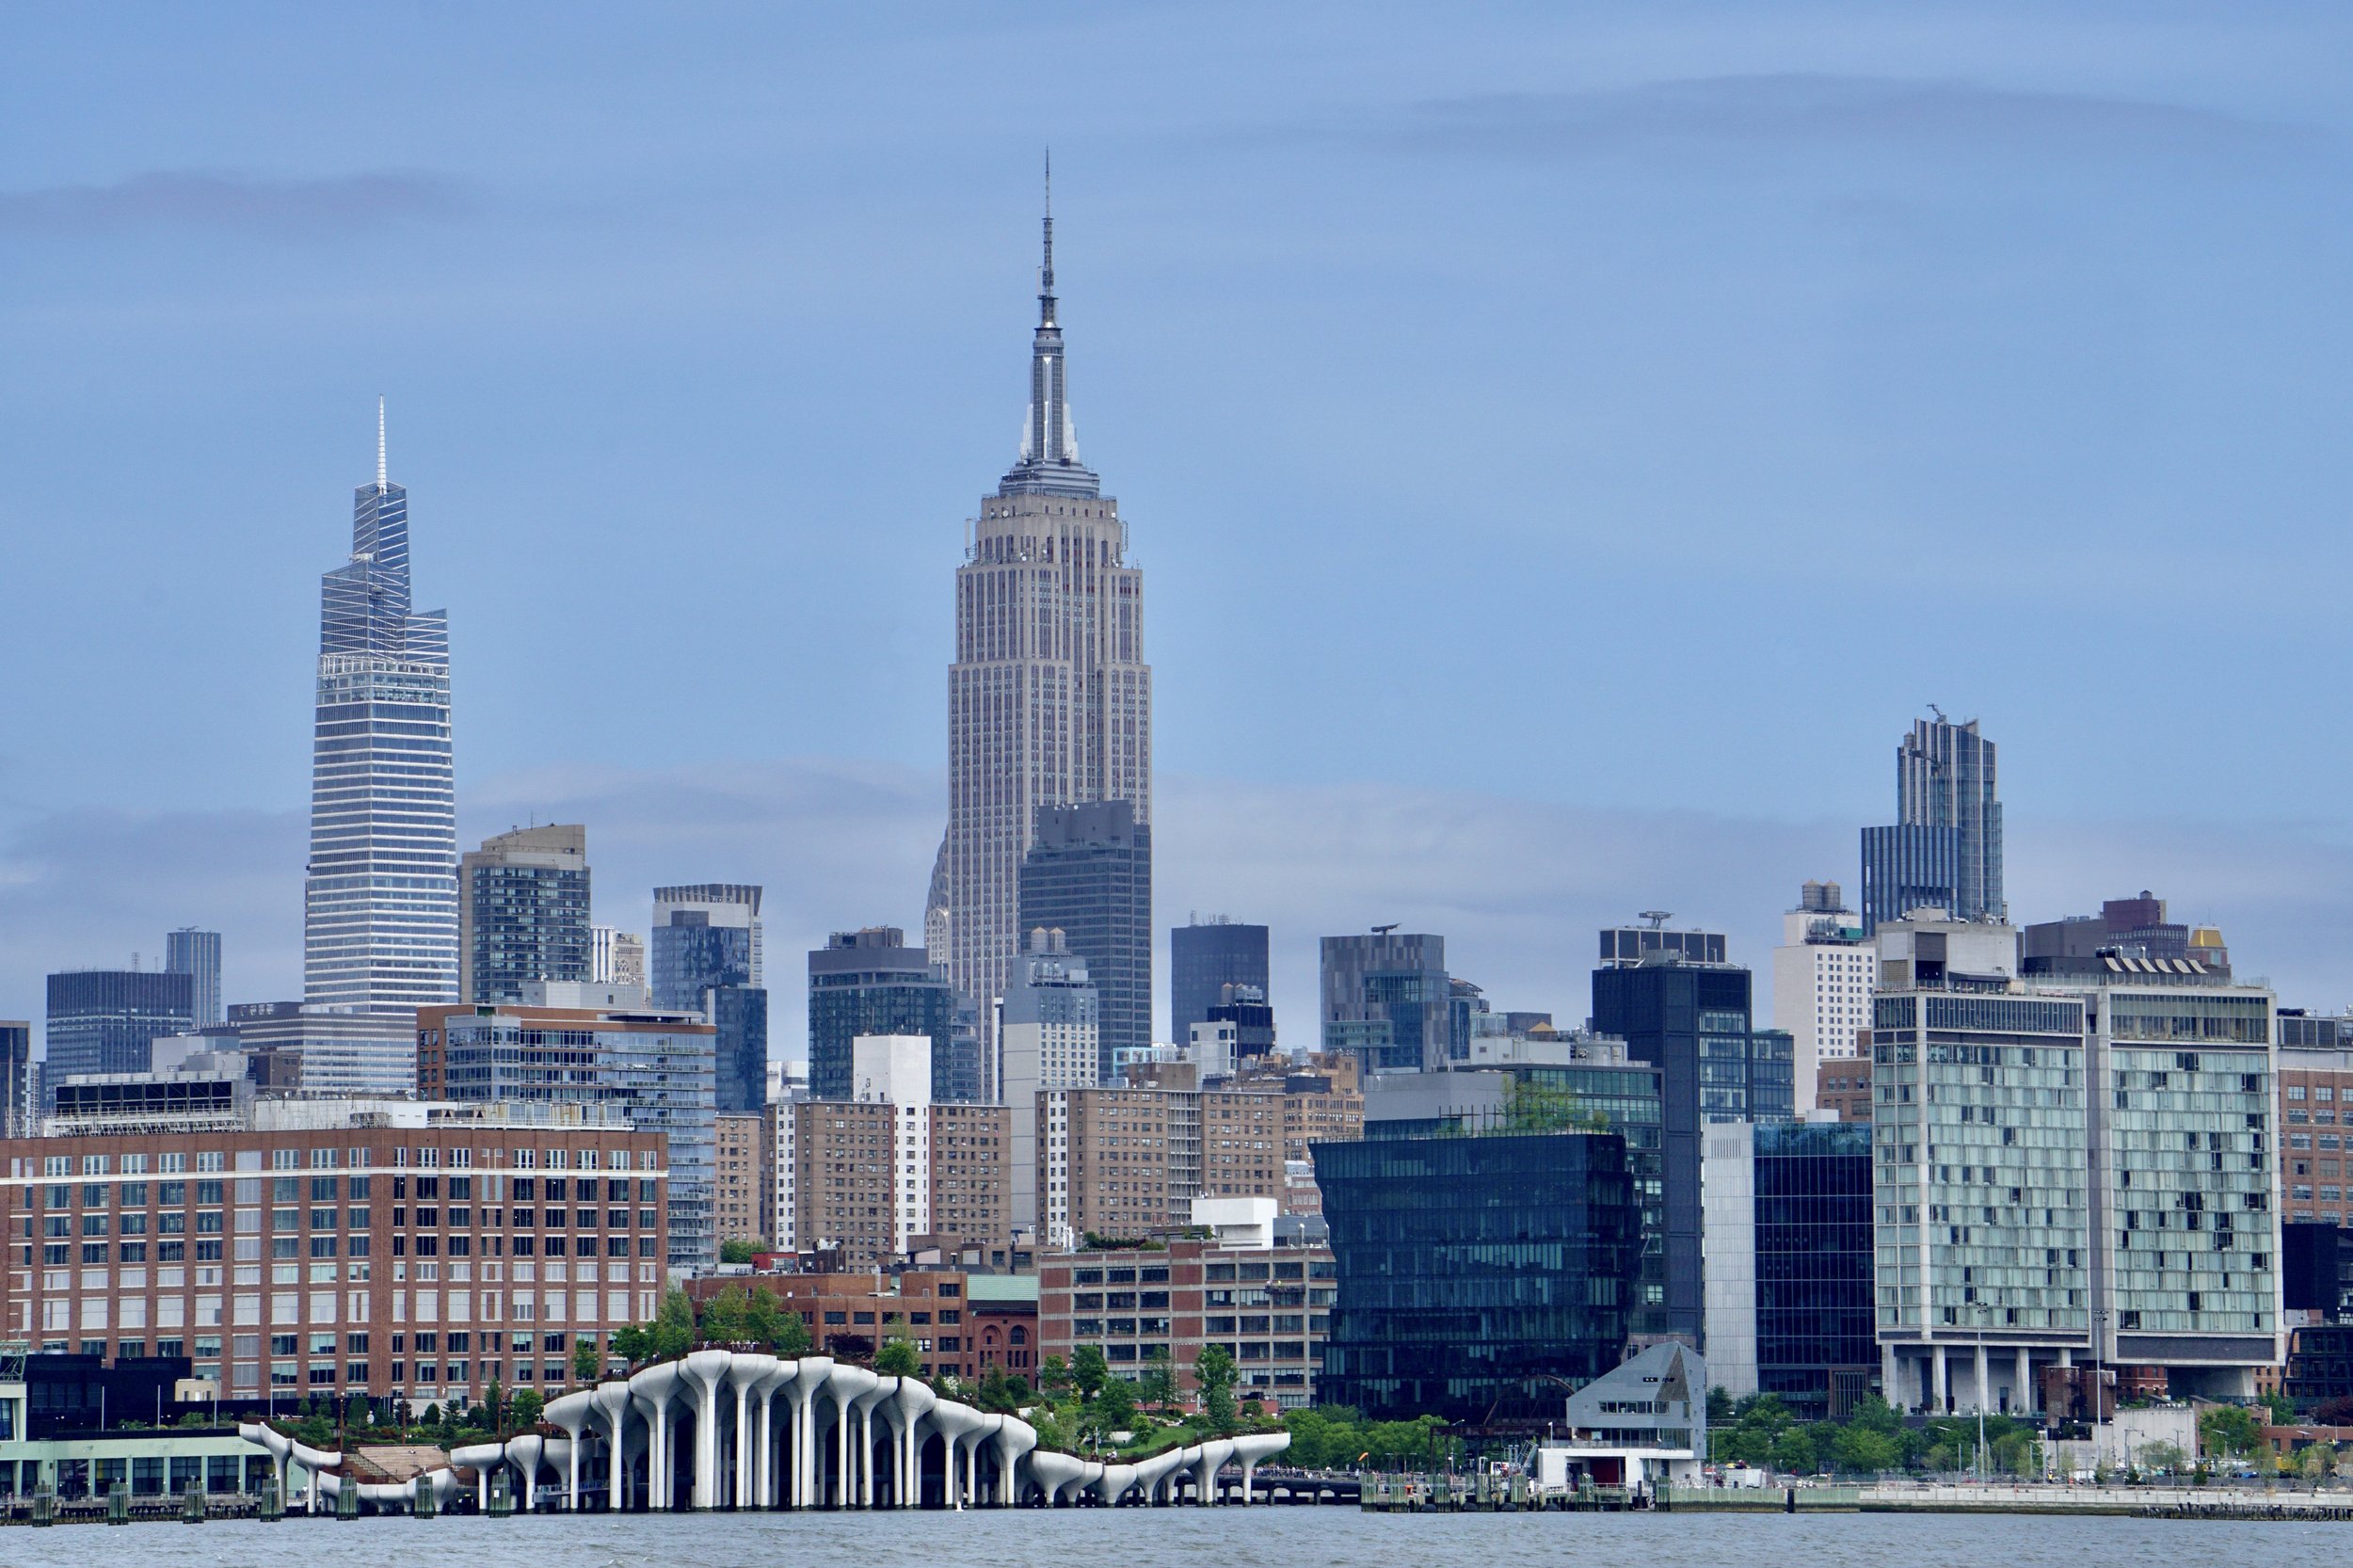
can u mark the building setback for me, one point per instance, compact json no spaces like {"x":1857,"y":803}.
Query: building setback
{"x":652,"y":1068}
{"x":1821,"y":986}
{"x":1270,"y":1310}
{"x":422,"y":1262}
{"x":704,"y":957}
{"x":1945,"y":848}
{"x":522,"y":912}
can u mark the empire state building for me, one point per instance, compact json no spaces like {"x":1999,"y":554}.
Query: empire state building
{"x":1049,"y":701}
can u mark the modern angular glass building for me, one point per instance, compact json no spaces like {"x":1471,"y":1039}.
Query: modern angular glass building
{"x":870,"y":982}
{"x":1481,"y":1276}
{"x":1088,"y":875}
{"x":1205,"y":957}
{"x":380,"y":901}
{"x":706,"y":940}
{"x":1944,"y":849}
{"x":107,"y":1020}
{"x":1386,"y":997}
{"x":523,"y":912}
{"x":197,"y":954}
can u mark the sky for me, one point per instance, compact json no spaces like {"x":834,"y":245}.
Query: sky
{"x":1567,"y":445}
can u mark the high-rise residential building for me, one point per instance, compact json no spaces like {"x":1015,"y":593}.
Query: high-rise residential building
{"x":380,"y":903}
{"x":522,"y":912}
{"x":20,"y":1081}
{"x":1242,"y":1012}
{"x":1129,"y":1162}
{"x":1944,"y":849}
{"x":740,"y":1205}
{"x":616,"y":957}
{"x":2135,"y":928}
{"x":706,"y":957}
{"x":1789,"y":1264}
{"x":1049,"y":701}
{"x":870,"y":982}
{"x":197,"y":954}
{"x":1822,"y":984}
{"x":2071,"y":1173}
{"x":655,"y":1068}
{"x":2315,"y":1114}
{"x":107,"y":1020}
{"x":1203,"y":957}
{"x":1387,"y":999}
{"x":423,"y":1274}
{"x":1693,"y":1021}
{"x":1479,"y":1270}
{"x":887,"y":1169}
{"x":1088,"y":875}
{"x":1047,"y":1038}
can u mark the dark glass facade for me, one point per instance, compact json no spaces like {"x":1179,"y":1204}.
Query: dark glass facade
{"x":1386,"y":997}
{"x":739,"y":1014}
{"x":524,"y":924}
{"x":870,"y":982}
{"x":1089,"y":875}
{"x":1816,"y":1345}
{"x":1479,"y":1276}
{"x":1907,"y":867}
{"x":107,"y":1021}
{"x":1203,"y":959}
{"x":690,"y":955}
{"x":1691,"y":1021}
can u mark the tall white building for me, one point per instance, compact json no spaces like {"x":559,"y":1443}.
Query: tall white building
{"x":1049,"y":701}
{"x":380,"y":901}
{"x":1821,"y":983}
{"x":1047,"y":1038}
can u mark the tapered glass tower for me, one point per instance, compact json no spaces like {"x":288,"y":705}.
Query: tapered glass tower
{"x":380,"y":904}
{"x":1049,"y":701}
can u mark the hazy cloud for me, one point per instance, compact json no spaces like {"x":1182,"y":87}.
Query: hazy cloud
{"x":194,"y":199}
{"x":1516,"y":886}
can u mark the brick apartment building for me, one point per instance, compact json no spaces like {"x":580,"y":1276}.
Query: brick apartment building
{"x":959,"y":1331}
{"x":1271,"y":1308}
{"x":741,"y":1202}
{"x":878,"y":1179}
{"x":423,"y":1261}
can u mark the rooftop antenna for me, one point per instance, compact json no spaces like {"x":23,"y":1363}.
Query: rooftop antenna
{"x":1658,"y":918}
{"x":380,"y":483}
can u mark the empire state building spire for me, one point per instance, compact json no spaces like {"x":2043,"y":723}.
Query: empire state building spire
{"x":1048,"y":463}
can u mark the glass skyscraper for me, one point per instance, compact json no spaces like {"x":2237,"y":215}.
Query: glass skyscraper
{"x":1205,"y":957}
{"x":704,"y":957}
{"x":197,"y":954}
{"x":381,"y":903}
{"x":523,"y":911}
{"x":870,"y":982}
{"x":107,"y":1020}
{"x":1088,"y":875}
{"x":1945,"y":848}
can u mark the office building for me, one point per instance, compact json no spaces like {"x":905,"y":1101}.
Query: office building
{"x":1127,"y":1164}
{"x":616,"y":957}
{"x":742,"y":1202}
{"x":1789,"y":1264}
{"x":380,"y":901}
{"x":870,"y":982}
{"x":1088,"y":875}
{"x":1692,"y":1020}
{"x":1945,"y":848}
{"x":1553,"y":1082}
{"x":402,"y":1257}
{"x":2316,"y":1118}
{"x":1478,"y":1273}
{"x":2124,"y":927}
{"x":705,"y":956}
{"x":887,"y":1170}
{"x":1205,"y":956}
{"x":107,"y":1021}
{"x":1243,"y":1012}
{"x":655,"y":1069}
{"x":197,"y":954}
{"x":1386,"y":998}
{"x":1047,"y":1038}
{"x":1821,"y":986}
{"x":19,"y":1080}
{"x":1268,"y":1307}
{"x":522,"y":912}
{"x":2077,"y":1172}
{"x":1049,"y":701}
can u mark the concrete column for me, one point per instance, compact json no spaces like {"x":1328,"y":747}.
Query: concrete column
{"x":742,"y":1447}
{"x":1248,"y":1467}
{"x":949,"y":1493}
{"x":531,"y":1483}
{"x":1985,"y":1390}
{"x":482,"y":1489}
{"x":1938,"y":1385}
{"x":2025,"y":1399}
{"x":616,"y":1462}
{"x":766,"y":1496}
{"x":842,"y":1495}
{"x":571,"y":1476}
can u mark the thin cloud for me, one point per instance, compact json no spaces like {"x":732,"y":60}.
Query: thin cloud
{"x":192,"y":198}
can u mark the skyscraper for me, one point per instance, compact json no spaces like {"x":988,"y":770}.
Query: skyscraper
{"x":107,"y":1020}
{"x":1088,"y":875}
{"x":19,"y":1103}
{"x":197,"y":954}
{"x":381,"y":903}
{"x":522,"y":912}
{"x":1205,"y":956}
{"x":1047,"y":1039}
{"x":1387,"y":997}
{"x":1049,"y":701}
{"x":870,"y":982}
{"x":706,"y":954}
{"x":1944,"y":849}
{"x":1822,"y":974}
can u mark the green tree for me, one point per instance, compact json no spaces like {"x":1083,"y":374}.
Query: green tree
{"x":1157,"y":1389}
{"x":588,"y":1361}
{"x":1720,"y":1406}
{"x":740,"y":1251}
{"x":1213,"y":1373}
{"x":2317,"y":1462}
{"x":1114,"y":1408}
{"x":493,"y":1403}
{"x":673,"y":1326}
{"x":524,"y":1408}
{"x":722,"y":1319}
{"x":1089,"y":1371}
{"x":1793,"y":1453}
{"x":898,"y":1357}
{"x":1053,"y":1377}
{"x":1859,"y":1450}
{"x":2162,"y":1456}
{"x":634,"y":1344}
{"x":2230,"y":1431}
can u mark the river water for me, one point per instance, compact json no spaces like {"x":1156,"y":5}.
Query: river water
{"x":1256,"y":1537}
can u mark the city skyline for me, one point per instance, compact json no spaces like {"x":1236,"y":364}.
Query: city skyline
{"x":101,"y":851}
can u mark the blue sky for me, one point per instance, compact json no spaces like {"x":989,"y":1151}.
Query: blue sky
{"x":1566,"y":444}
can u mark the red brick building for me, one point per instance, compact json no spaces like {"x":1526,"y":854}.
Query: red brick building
{"x":1271,"y":1308}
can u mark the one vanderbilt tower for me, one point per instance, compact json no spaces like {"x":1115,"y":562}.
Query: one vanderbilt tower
{"x":1049,"y":701}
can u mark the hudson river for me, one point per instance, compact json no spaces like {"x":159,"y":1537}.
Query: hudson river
{"x":1256,"y":1537}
